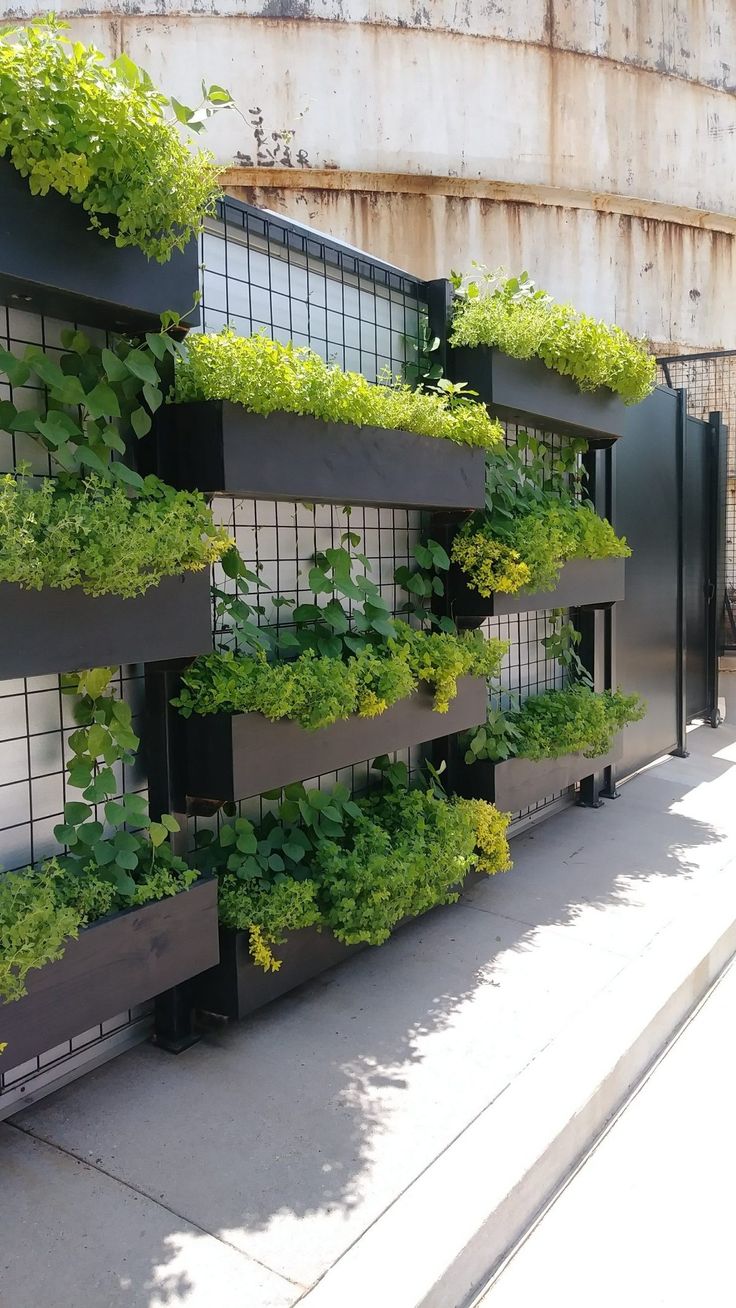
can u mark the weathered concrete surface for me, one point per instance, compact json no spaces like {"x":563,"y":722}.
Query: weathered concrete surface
{"x":649,"y":1218}
{"x":629,"y":105}
{"x":300,"y":1138}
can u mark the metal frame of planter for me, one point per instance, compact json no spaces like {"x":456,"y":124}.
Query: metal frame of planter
{"x":220,"y":448}
{"x":114,"y":964}
{"x":48,"y":631}
{"x":223,"y":757}
{"x":582,"y":584}
{"x":53,"y":262}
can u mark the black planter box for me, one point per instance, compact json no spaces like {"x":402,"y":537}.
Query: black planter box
{"x":46,"y":631}
{"x":582,"y":584}
{"x":113,"y":965}
{"x":526,"y":391}
{"x":236,"y":987}
{"x":52,"y":262}
{"x":219,"y":448}
{"x":516,"y":783}
{"x":220,"y":757}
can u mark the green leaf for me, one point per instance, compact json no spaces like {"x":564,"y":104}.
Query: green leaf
{"x":227,"y":837}
{"x":114,"y":812}
{"x":65,"y":833}
{"x":112,"y":439}
{"x":158,"y":344}
{"x":127,"y":475}
{"x":75,"y":812}
{"x":152,"y":396}
{"x":140,"y":421}
{"x":56,"y":428}
{"x":246,"y":843}
{"x":293,"y":851}
{"x":276,"y":863}
{"x":318,"y":799}
{"x":170,"y":823}
{"x":102,"y":402}
{"x":141,"y":366}
{"x":115,"y":368}
{"x":89,"y":833}
{"x":158,"y":834}
{"x":126,"y":858}
{"x":103,"y":853}
{"x":17,"y":371}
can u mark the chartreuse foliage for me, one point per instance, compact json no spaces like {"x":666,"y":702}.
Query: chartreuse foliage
{"x":107,"y":867}
{"x":103,"y":135}
{"x":533,"y":521}
{"x":266,"y":377}
{"x":336,"y":662}
{"x":511,"y":314}
{"x":558,"y":722}
{"x":91,"y":534}
{"x":355,"y":867}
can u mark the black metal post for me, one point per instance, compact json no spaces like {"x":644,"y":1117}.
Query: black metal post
{"x":590,"y":625}
{"x":173,"y":1011}
{"x":439,"y":294}
{"x":717,"y":595}
{"x":681,"y":750}
{"x":609,"y":789}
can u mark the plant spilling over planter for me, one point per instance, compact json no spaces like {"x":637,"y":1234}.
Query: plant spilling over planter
{"x":511,"y":314}
{"x":100,"y":133}
{"x":556,"y":723}
{"x":106,"y":867}
{"x":356,"y":868}
{"x":93,"y":535}
{"x":316,"y":690}
{"x":533,"y":522}
{"x":266,"y":377}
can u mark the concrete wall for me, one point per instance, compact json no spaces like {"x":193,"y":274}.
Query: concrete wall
{"x":593,"y":143}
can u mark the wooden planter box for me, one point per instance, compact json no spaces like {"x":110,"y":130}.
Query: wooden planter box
{"x":113,"y":965}
{"x":517,"y":783}
{"x":236,"y":987}
{"x":52,"y":262}
{"x":48,"y":631}
{"x":219,"y":448}
{"x":583,"y":584}
{"x":224,"y":757}
{"x":527,"y":392}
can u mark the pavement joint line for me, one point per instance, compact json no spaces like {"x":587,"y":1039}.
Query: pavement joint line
{"x":136,"y":1189}
{"x":615,"y":1117}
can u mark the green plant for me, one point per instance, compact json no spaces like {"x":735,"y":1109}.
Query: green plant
{"x":97,"y":398}
{"x":527,"y":552}
{"x":266,"y":377}
{"x":357,"y":868}
{"x":424,"y":581}
{"x":91,"y":534}
{"x":99,"y":133}
{"x":511,"y":314}
{"x":316,"y":690}
{"x":558,"y":722}
{"x":497,"y":738}
{"x":562,"y":645}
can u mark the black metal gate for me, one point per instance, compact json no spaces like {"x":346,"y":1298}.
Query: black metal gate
{"x":668,"y":502}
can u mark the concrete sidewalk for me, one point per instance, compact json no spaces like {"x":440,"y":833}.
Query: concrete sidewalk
{"x":381,"y":1137}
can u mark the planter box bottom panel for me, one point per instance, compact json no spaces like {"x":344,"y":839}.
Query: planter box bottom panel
{"x":113,"y":965}
{"x":517,"y":783}
{"x":47,"y":631}
{"x":224,"y":757}
{"x":237,"y":987}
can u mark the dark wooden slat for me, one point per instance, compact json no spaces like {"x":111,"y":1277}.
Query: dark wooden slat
{"x":527,"y":391}
{"x":225,"y":757}
{"x":220,"y":448}
{"x":52,"y":262}
{"x":583,"y":583}
{"x":113,"y":965}
{"x":45,"y":631}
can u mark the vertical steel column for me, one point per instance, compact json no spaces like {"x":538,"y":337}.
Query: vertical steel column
{"x":609,"y":789}
{"x":718,"y":452}
{"x":590,"y":625}
{"x":439,"y":307}
{"x":173,"y":1013}
{"x":681,"y":750}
